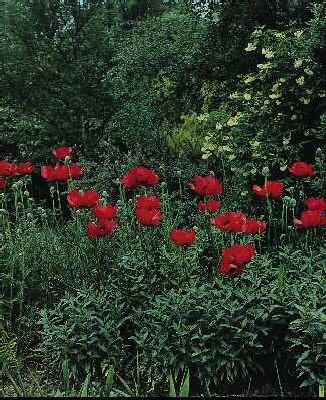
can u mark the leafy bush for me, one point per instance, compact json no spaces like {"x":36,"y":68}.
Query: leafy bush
{"x":224,"y":330}
{"x":153,"y":78}
{"x":307,"y":336}
{"x":217,"y":333}
{"x":275,"y":112}
{"x":55,"y":55}
{"x":83,"y":328}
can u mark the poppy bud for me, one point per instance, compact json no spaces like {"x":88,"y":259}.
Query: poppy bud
{"x":265,"y":171}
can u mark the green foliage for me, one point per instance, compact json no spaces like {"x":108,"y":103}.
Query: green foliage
{"x":84,"y":329}
{"x":136,"y":300}
{"x":30,"y":131}
{"x":8,"y":352}
{"x":218,"y":334}
{"x":153,"y":77}
{"x":237,"y":90}
{"x":55,"y":55}
{"x":275,"y":113}
{"x":307,"y":335}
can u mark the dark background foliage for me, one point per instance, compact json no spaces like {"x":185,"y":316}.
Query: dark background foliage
{"x":160,"y":83}
{"x":118,"y":73}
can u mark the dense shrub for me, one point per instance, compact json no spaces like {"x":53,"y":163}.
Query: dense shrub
{"x":275,"y":112}
{"x":55,"y":56}
{"x":84,"y":328}
{"x":307,"y":337}
{"x":215,"y":332}
{"x":154,"y":77}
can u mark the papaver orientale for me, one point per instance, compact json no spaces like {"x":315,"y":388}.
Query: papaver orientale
{"x":25,"y":168}
{"x":182,"y":237}
{"x":62,"y":152}
{"x":83,"y":199}
{"x":148,"y":217}
{"x":139,"y":175}
{"x":208,"y":206}
{"x":311,"y":219}
{"x":7,"y":168}
{"x":103,"y":227}
{"x":148,"y":202}
{"x":206,"y":185}
{"x":301,"y":168}
{"x":314,"y":204}
{"x":230,"y":221}
{"x":105,"y":211}
{"x":270,"y":189}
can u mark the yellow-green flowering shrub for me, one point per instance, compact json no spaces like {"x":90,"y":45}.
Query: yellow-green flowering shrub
{"x":275,"y":113}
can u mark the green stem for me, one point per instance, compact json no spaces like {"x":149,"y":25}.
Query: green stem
{"x":53,"y":207}
{"x":23,"y":204}
{"x":59,"y":200}
{"x":307,"y":239}
{"x":16,"y":205}
{"x":270,"y":219}
{"x":22,"y":286}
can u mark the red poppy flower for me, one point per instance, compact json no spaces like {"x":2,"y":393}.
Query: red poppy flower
{"x":25,"y":168}
{"x":107,"y":211}
{"x":234,"y":258}
{"x":139,"y":176}
{"x":61,"y":172}
{"x":182,"y":237}
{"x":62,"y":152}
{"x":311,"y":219}
{"x":254,"y":226}
{"x":75,"y":170}
{"x":148,"y":217}
{"x":238,"y":254}
{"x":148,"y":202}
{"x":7,"y":168}
{"x":226,"y":267}
{"x":230,"y":221}
{"x":57,"y":173}
{"x":206,"y":185}
{"x":87,"y":199}
{"x":2,"y":183}
{"x":314,"y":204}
{"x":301,"y":168}
{"x":103,"y":227}
{"x":271,"y":189}
{"x":209,"y":206}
